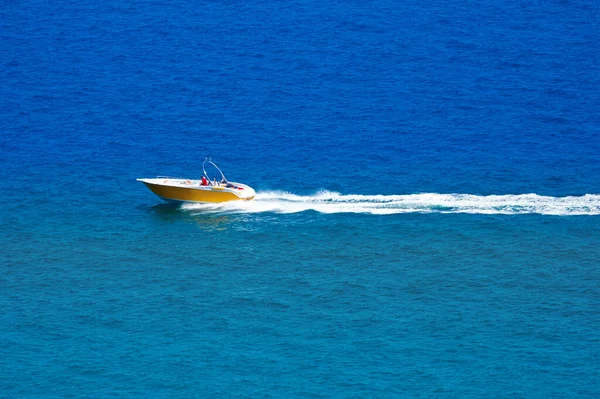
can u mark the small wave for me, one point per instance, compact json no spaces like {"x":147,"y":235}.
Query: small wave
{"x":333,"y":202}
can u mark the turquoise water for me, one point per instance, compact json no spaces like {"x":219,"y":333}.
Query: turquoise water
{"x":427,"y":217}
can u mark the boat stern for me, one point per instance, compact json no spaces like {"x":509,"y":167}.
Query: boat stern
{"x":246,"y":193}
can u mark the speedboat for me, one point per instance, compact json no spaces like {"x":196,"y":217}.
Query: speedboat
{"x":205,"y":189}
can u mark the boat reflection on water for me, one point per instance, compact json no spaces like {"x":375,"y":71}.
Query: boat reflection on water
{"x":204,"y":220}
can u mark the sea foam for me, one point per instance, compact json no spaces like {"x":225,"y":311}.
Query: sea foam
{"x":333,"y":202}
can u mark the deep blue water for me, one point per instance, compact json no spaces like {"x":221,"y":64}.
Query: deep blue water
{"x":427,"y":221}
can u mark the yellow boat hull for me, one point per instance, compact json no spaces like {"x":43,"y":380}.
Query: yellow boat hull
{"x":181,"y":190}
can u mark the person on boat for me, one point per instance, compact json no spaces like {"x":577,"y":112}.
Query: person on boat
{"x":204,"y":181}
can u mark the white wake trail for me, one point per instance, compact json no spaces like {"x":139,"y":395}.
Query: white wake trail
{"x":333,"y":202}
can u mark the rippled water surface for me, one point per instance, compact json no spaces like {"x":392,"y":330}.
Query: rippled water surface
{"x":427,"y":214}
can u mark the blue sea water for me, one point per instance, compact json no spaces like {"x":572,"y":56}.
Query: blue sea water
{"x":427,"y":222}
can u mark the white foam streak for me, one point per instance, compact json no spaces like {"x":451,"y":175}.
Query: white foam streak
{"x":332,"y":202}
